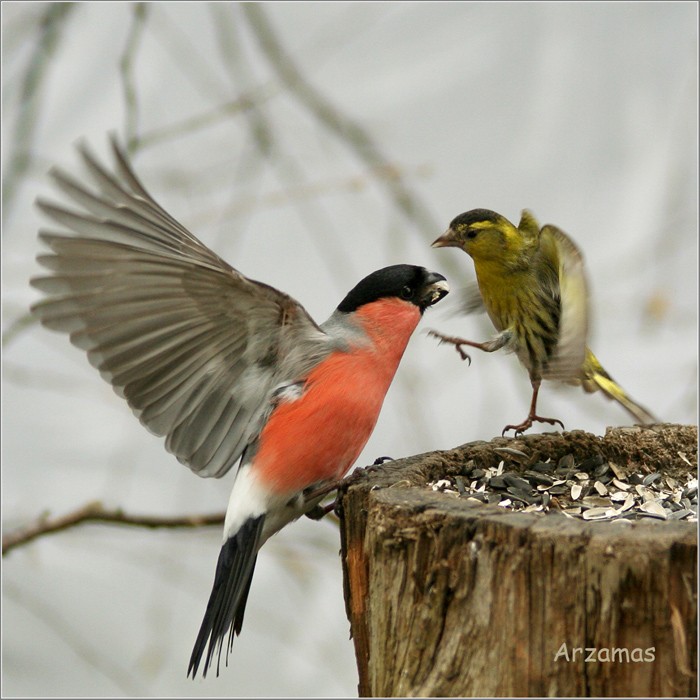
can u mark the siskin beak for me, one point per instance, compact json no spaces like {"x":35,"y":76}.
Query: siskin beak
{"x":447,"y":239}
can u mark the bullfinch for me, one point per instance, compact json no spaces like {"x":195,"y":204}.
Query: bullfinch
{"x":229,"y":370}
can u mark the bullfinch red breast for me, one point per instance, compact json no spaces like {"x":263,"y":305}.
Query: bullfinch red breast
{"x":227,"y":369}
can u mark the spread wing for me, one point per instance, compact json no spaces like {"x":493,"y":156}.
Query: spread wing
{"x":568,"y":357}
{"x":195,"y":347}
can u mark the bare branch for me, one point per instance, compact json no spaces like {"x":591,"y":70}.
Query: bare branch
{"x":95,"y":512}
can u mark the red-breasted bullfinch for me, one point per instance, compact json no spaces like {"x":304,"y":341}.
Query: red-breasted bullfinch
{"x":226,"y":368}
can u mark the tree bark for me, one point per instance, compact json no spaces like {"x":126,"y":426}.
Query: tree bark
{"x":446,"y":598}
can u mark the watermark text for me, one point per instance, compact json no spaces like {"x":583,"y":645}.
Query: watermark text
{"x":592,"y":655}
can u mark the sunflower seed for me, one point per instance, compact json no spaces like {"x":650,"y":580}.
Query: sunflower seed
{"x":497,"y":482}
{"x":649,"y":479}
{"x":481,"y":497}
{"x":629,"y":502}
{"x":621,"y":485}
{"x":653,"y":509}
{"x":680,"y":514}
{"x":473,"y":500}
{"x":566,"y":461}
{"x":691,"y":489}
{"x":600,"y":488}
{"x":671,"y":483}
{"x":617,"y":471}
{"x":535,"y":478}
{"x":510,"y":451}
{"x":590,"y":464}
{"x":645,"y":493}
{"x":599,"y":514}
{"x":596,"y":502}
{"x":523,"y":496}
{"x":601,"y":470}
{"x":618,"y":496}
{"x":685,"y":459}
{"x":575,"y":491}
{"x":516,"y":481}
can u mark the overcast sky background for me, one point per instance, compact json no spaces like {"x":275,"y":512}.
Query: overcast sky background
{"x":586,"y":113}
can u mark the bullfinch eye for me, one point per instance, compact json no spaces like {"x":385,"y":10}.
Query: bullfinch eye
{"x":406,"y":292}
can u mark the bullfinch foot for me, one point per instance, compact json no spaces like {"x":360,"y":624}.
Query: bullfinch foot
{"x":318,"y":511}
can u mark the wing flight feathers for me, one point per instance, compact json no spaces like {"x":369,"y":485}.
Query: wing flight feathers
{"x":195,"y":347}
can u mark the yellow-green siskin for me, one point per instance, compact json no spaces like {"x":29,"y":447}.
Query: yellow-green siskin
{"x":533,"y":285}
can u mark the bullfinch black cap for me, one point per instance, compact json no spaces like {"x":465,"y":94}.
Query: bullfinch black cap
{"x":408,"y":282}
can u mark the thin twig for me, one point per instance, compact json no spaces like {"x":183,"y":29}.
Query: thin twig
{"x":50,"y":616}
{"x":20,"y":158}
{"x":297,"y":193}
{"x":95,"y":512}
{"x":226,"y":31}
{"x":126,"y":71}
{"x":17,"y":327}
{"x":206,"y":118}
{"x":345,"y":128}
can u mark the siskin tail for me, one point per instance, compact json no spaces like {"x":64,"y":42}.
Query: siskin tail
{"x":234,"y":572}
{"x":595,"y":377}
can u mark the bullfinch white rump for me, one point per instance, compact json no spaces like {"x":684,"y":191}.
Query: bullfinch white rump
{"x":227,"y":369}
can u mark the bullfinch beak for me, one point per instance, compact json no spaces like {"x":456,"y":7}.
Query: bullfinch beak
{"x":233,"y":373}
{"x":435,"y":288}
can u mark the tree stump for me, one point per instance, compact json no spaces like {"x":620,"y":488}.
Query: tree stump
{"x":450,"y":598}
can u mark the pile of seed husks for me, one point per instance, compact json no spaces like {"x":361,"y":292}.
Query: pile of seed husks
{"x":592,"y":490}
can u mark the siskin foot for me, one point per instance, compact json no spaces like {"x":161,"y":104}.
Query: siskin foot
{"x":452,"y":340}
{"x":527,"y":423}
